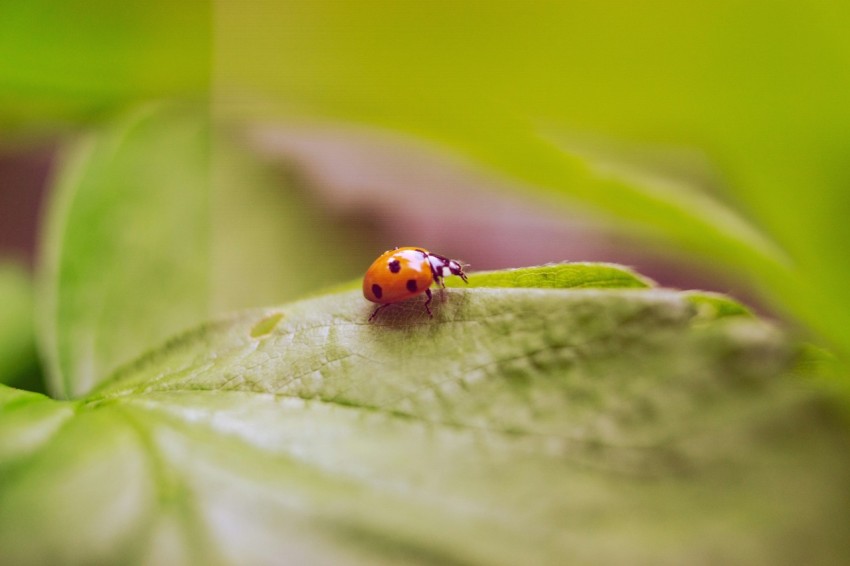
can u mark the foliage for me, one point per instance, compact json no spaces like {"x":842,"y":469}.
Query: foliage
{"x":561,"y":413}
{"x":540,"y":415}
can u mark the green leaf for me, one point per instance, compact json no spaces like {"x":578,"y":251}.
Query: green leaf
{"x":27,"y":422}
{"x":715,"y":305}
{"x":519,"y":425}
{"x":125,"y":263}
{"x":577,"y":275}
{"x":155,"y":224}
{"x":68,"y":61}
{"x":18,"y":360}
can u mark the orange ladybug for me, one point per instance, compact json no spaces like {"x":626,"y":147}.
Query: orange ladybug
{"x":402,"y":273}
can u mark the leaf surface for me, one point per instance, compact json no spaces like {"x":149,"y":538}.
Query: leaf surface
{"x":519,"y":424}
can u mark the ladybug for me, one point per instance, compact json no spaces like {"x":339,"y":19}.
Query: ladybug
{"x":402,"y":273}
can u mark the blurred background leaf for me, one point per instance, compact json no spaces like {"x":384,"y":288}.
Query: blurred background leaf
{"x":156,"y":224}
{"x":18,"y":360}
{"x":600,"y":101}
{"x":717,"y":131}
{"x":68,"y":62}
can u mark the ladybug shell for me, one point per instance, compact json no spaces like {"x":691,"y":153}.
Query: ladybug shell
{"x":398,"y":275}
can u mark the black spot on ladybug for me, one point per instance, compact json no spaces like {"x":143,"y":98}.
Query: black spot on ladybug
{"x":377,"y":291}
{"x":411,"y":285}
{"x":395,"y":266}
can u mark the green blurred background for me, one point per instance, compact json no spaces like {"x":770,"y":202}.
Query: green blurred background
{"x":705,"y":143}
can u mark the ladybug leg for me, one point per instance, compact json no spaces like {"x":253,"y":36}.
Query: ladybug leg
{"x":374,"y":314}
{"x":428,"y":302}
{"x":442,"y":289}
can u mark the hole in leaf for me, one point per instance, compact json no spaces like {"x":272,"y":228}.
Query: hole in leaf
{"x":266,"y":325}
